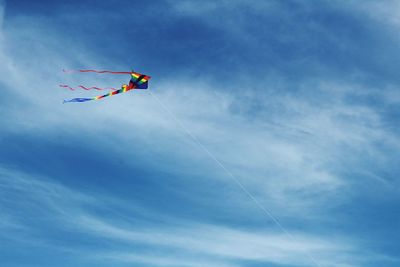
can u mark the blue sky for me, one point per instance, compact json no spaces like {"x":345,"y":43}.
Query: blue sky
{"x":298,"y":100}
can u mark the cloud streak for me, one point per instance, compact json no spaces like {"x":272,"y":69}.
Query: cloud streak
{"x":220,"y":244}
{"x":313,"y":150}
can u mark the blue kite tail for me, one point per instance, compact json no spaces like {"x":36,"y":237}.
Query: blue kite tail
{"x":77,"y":100}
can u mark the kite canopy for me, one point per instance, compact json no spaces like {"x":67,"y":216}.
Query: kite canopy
{"x":137,"y":81}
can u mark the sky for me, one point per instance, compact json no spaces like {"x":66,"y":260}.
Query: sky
{"x":269,"y":135}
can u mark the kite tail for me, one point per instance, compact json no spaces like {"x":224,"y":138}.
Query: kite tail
{"x":122,"y":90}
{"x":66,"y":86}
{"x":86,"y":88}
{"x":98,"y":71}
{"x":78,"y":100}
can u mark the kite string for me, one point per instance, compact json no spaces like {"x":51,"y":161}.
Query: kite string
{"x":230,"y":174}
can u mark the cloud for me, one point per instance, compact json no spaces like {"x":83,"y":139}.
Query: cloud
{"x":305,"y":147}
{"x":288,"y":149}
{"x":386,"y":13}
{"x":50,"y":202}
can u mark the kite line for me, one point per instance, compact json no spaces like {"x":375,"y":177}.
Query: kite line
{"x":230,"y":174}
{"x":140,"y":81}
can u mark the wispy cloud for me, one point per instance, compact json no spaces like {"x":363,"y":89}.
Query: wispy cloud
{"x":306,"y":147}
{"x":50,"y":202}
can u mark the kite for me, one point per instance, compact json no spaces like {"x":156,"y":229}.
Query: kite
{"x":137,"y":81}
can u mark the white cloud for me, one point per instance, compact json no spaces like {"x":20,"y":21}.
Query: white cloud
{"x":174,"y":241}
{"x":289,"y":153}
{"x":234,"y":244}
{"x":386,"y":12}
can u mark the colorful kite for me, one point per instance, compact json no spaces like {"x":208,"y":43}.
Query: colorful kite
{"x":138,"y":81}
